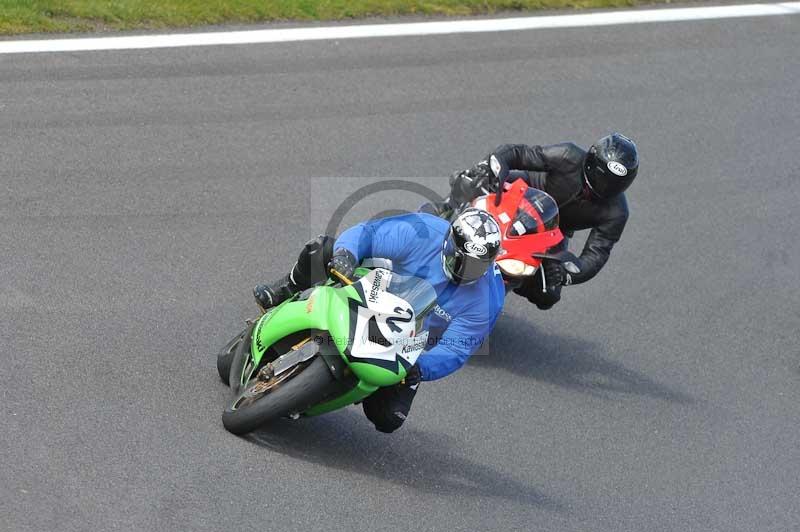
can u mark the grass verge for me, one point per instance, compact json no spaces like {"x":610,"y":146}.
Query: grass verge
{"x":34,"y":16}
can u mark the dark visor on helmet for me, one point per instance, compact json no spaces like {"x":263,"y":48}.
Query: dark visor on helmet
{"x":464,"y":268}
{"x":600,"y":180}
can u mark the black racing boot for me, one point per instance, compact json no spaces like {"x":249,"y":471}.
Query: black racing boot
{"x":273,"y":294}
{"x":441,"y":209}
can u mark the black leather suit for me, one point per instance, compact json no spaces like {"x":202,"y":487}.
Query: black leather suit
{"x":558,"y":170}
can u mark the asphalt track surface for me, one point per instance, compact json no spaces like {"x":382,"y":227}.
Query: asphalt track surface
{"x":145,"y":192}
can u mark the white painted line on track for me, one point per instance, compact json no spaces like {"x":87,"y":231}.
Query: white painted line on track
{"x":605,"y":18}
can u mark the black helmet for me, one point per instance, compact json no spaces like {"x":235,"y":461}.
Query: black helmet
{"x":611,"y":165}
{"x":470,"y":246}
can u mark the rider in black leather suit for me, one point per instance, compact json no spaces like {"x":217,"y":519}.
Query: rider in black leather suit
{"x":588,"y":187}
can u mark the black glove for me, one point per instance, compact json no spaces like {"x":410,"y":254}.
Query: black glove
{"x":413,"y":376}
{"x":467,"y":185}
{"x":343,"y":262}
{"x":559,"y":272}
{"x":531,"y":289}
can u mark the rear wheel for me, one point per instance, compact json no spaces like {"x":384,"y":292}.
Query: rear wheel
{"x":295,"y":391}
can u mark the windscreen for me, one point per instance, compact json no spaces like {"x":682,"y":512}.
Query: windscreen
{"x":537,"y":213}
{"x":417,"y":292}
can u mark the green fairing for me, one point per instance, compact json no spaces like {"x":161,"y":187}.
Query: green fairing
{"x":358,"y":393}
{"x":327,"y":308}
{"x":377,"y":375}
{"x":290,"y":317}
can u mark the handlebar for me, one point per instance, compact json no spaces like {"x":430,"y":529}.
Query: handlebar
{"x":341,"y":277}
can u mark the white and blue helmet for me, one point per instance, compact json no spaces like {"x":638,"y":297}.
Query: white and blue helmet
{"x":471,"y":246}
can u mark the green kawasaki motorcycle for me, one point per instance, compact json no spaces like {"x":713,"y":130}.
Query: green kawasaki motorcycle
{"x":326,"y":348}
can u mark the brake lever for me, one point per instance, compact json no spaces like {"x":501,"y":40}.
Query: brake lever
{"x":544,"y":281}
{"x":545,"y":256}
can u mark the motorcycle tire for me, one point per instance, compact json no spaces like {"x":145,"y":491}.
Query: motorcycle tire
{"x":309,"y":387}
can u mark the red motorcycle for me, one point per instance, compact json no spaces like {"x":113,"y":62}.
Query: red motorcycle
{"x":528,"y":220}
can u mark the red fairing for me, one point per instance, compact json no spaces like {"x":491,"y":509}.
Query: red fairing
{"x":528,"y":220}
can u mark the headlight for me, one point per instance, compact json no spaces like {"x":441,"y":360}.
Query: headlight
{"x":516,"y":268}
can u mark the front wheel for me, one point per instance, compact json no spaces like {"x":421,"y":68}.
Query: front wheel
{"x":258,"y":403}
